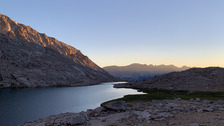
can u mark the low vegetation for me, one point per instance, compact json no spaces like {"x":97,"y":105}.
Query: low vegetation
{"x":161,"y":94}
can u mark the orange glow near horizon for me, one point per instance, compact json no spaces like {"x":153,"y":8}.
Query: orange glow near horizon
{"x":181,"y":64}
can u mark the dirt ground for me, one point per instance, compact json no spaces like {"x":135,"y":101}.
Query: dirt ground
{"x":187,"y":118}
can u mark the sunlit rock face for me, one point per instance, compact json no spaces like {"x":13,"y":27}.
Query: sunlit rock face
{"x":19,"y":31}
{"x":29,"y":59}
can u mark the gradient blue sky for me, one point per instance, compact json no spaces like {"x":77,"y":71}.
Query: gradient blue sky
{"x":121,"y":32}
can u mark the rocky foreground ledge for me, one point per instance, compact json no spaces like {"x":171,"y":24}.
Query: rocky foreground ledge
{"x":178,"y":112}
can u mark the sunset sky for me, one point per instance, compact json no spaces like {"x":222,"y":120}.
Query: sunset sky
{"x":121,"y":32}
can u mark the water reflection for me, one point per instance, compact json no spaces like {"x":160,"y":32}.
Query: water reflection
{"x":20,"y":105}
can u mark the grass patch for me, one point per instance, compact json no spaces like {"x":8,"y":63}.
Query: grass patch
{"x":161,"y":94}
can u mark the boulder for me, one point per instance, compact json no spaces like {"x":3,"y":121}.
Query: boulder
{"x":77,"y":120}
{"x":198,"y":99}
{"x":207,"y":109}
{"x":116,"y":106}
{"x":142,"y":114}
{"x":96,"y":111}
{"x":70,"y":120}
{"x":194,"y":124}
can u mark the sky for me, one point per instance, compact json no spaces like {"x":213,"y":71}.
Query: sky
{"x":121,"y":32}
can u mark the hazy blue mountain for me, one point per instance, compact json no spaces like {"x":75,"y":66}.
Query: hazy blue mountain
{"x":141,"y":72}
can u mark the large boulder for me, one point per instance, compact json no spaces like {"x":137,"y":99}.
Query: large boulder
{"x":76,"y":120}
{"x":97,"y":111}
{"x":116,"y":106}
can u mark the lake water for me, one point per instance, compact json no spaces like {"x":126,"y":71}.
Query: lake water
{"x":20,"y":105}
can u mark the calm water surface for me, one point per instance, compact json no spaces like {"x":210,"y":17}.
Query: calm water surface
{"x":20,"y":105}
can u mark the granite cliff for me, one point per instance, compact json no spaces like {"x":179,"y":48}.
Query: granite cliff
{"x":32,"y":59}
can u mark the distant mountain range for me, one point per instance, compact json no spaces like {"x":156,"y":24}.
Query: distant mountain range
{"x":32,"y":59}
{"x":141,"y":72}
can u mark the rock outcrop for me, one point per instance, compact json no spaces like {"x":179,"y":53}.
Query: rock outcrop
{"x":195,"y":79}
{"x":176,"y":112}
{"x":32,"y":59}
{"x":116,"y":106}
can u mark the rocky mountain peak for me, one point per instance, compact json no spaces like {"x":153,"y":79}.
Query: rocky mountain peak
{"x":32,"y":59}
{"x":18,"y":31}
{"x":6,"y":25}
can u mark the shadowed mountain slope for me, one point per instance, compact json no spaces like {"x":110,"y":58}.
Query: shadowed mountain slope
{"x":195,"y":79}
{"x":18,"y":31}
{"x":30,"y":59}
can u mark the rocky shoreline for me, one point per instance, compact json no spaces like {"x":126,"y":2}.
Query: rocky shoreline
{"x":178,"y":112}
{"x":61,"y":85}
